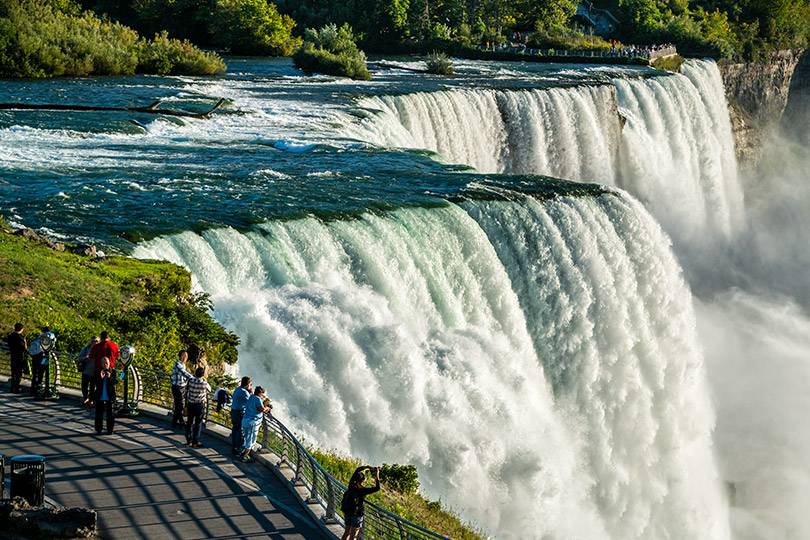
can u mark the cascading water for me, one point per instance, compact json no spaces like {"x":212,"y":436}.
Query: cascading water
{"x":542,"y":351}
{"x":667,"y":140}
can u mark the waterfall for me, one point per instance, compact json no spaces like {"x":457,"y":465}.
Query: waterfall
{"x":536,"y":360}
{"x":665,"y":139}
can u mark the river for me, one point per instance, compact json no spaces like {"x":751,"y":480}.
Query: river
{"x":617,"y":354}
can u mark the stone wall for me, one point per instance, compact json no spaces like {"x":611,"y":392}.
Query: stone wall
{"x":757,"y":94}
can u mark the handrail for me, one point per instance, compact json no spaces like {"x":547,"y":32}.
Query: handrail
{"x":627,"y":53}
{"x":154,"y":387}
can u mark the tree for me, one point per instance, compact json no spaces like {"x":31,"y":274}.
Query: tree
{"x":252,"y":27}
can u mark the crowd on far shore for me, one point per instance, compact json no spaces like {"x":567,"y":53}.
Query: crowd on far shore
{"x":191,"y":395}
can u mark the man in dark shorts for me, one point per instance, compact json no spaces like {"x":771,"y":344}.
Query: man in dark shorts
{"x":353,"y":503}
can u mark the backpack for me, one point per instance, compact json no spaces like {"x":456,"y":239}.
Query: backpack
{"x":349,"y":503}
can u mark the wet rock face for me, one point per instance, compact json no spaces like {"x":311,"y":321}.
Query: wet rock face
{"x":796,"y":119}
{"x":757,"y":94}
{"x":19,"y":521}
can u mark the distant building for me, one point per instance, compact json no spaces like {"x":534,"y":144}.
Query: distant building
{"x":593,"y":20}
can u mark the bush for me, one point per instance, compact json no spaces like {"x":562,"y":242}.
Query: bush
{"x":567,"y":40}
{"x":401,"y":478}
{"x":669,"y":63}
{"x":439,"y":64}
{"x":40,"y":39}
{"x":165,"y":56}
{"x":333,"y":51}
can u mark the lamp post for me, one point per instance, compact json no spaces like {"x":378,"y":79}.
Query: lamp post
{"x":47,"y":341}
{"x":129,"y":408}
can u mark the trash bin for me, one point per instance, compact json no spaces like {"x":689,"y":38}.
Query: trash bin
{"x":28,"y":478}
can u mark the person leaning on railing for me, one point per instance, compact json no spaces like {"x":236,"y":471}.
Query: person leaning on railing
{"x":238,"y":401}
{"x":179,"y":378}
{"x":197,"y":390}
{"x":16,"y":348}
{"x":87,"y":367}
{"x":255,"y":408}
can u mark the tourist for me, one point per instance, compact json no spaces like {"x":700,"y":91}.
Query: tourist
{"x":87,"y":367}
{"x":104,"y":383}
{"x":252,"y":421}
{"x":16,"y":348}
{"x":105,"y":348}
{"x":353,"y":503}
{"x":197,"y":390}
{"x":179,"y":378}
{"x":37,"y":361}
{"x":238,"y":401}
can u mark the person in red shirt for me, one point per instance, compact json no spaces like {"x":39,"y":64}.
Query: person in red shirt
{"x":104,"y":349}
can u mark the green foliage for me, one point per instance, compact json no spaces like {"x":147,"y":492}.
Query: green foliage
{"x":401,"y":478}
{"x":148,"y":304}
{"x":333,"y":51}
{"x":725,"y":28}
{"x":439,"y":63}
{"x":42,"y":39}
{"x":165,"y":56}
{"x":669,"y":63}
{"x":567,"y":40}
{"x":253,"y":27}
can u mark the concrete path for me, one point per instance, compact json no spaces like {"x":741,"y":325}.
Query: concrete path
{"x":144,"y":482}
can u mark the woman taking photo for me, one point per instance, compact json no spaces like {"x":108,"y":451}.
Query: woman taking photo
{"x":353,"y":502}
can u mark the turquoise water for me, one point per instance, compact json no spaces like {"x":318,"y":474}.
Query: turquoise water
{"x":278,"y":149}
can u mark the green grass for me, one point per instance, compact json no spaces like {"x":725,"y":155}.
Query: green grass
{"x":669,"y":63}
{"x":148,"y":304}
{"x":412,"y":506}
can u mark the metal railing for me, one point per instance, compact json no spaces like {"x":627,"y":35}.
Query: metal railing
{"x":148,"y":385}
{"x":627,"y":53}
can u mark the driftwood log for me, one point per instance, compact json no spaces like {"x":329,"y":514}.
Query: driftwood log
{"x":153,"y":108}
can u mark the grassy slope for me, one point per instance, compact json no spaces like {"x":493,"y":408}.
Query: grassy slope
{"x":412,"y":506}
{"x":147,"y":304}
{"x":144,"y":303}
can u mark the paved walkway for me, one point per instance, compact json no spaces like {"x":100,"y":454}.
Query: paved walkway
{"x":144,"y":482}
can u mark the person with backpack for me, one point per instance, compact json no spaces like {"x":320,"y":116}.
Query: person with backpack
{"x":353,"y":503}
{"x":197,"y":390}
{"x":87,"y":367}
{"x":16,"y":348}
{"x":37,"y":353}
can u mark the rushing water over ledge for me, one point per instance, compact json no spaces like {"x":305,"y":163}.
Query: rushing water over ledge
{"x":530,"y":344}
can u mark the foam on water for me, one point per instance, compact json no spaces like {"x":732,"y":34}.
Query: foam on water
{"x":492,"y":345}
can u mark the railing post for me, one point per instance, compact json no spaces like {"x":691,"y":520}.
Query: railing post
{"x":265,"y":436}
{"x":313,"y":491}
{"x":297,"y":478}
{"x":401,"y":529}
{"x":330,"y":516}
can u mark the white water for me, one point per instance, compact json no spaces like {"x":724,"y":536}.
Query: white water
{"x":675,"y":151}
{"x":537,"y":361}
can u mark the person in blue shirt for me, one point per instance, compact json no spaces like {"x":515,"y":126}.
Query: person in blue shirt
{"x":238,"y":401}
{"x":104,"y":383}
{"x":252,"y":421}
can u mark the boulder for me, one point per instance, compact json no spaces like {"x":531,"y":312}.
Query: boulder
{"x":18,"y":520}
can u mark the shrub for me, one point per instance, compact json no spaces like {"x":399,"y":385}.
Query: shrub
{"x":401,"y":478}
{"x":42,"y":39}
{"x":439,"y":64}
{"x":333,"y":51}
{"x":669,"y":63}
{"x":165,"y":56}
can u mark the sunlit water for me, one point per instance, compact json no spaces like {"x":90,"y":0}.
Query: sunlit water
{"x":411,"y":291}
